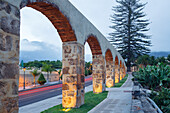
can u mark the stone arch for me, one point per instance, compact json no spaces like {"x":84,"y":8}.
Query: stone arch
{"x":73,"y":52}
{"x":57,"y":18}
{"x":66,"y":19}
{"x":109,"y":69}
{"x":117,"y":68}
{"x":98,"y":65}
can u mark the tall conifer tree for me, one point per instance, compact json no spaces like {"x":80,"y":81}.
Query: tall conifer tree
{"x":129,"y":27}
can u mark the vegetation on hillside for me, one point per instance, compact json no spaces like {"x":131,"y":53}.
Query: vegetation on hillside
{"x":157,"y":79}
{"x":54,"y":64}
{"x":151,"y":60}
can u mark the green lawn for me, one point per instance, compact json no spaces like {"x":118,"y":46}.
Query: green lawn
{"x":91,"y":100}
{"x":121,"y":82}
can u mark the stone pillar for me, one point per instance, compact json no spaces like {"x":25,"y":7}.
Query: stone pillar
{"x":98,"y":74}
{"x":73,"y":75}
{"x":9,"y":57}
{"x":110,"y":78}
{"x":117,"y":74}
{"x":121,"y":73}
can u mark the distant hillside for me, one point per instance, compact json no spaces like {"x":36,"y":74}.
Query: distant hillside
{"x":27,"y":56}
{"x":160,"y":54}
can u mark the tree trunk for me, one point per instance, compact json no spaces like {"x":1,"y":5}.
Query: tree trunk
{"x":129,"y":39}
{"x":128,"y":66}
{"x":47,"y":77}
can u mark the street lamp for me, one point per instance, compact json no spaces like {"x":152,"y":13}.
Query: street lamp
{"x":24,"y":76}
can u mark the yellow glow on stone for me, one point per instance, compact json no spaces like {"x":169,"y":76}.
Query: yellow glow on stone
{"x":69,"y":102}
{"x":116,"y":81}
{"x":98,"y":89}
{"x":120,"y":78}
{"x":109,"y":86}
{"x":109,"y":83}
{"x":66,"y":110}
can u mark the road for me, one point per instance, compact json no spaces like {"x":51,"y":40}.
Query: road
{"x":39,"y":94}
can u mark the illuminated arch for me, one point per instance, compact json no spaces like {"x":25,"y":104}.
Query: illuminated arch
{"x":124,"y":71}
{"x":67,"y":35}
{"x":66,"y":19}
{"x":121,"y":71}
{"x":109,"y":69}
{"x":98,"y":65}
{"x":117,"y":74}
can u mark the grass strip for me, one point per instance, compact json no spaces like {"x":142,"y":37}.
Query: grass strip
{"x":91,"y":100}
{"x":121,"y":82}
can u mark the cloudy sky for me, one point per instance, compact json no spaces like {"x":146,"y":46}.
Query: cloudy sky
{"x":36,"y":27}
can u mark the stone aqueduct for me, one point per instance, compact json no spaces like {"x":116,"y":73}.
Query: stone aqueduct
{"x":74,"y":30}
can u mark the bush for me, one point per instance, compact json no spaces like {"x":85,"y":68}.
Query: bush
{"x":88,"y":72}
{"x":41,"y":80}
{"x":153,"y":77}
{"x":162,"y":99}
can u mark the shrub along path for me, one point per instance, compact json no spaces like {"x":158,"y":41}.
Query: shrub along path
{"x":118,"y":99}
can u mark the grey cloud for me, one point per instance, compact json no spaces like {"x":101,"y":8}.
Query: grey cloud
{"x":45,"y":51}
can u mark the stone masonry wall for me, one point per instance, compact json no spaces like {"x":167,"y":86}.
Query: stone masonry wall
{"x":124,"y":72}
{"x":73,"y":75}
{"x":9,"y":57}
{"x":117,"y":74}
{"x":98,"y":74}
{"x":110,"y":77}
{"x":121,"y":73}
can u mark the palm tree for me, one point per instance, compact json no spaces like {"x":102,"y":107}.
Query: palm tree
{"x":47,"y":68}
{"x":59,"y":72}
{"x":35,"y":73}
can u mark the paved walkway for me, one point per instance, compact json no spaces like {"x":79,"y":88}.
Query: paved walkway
{"x":118,"y":100}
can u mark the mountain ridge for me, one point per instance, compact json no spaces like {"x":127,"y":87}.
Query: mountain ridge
{"x":27,"y":56}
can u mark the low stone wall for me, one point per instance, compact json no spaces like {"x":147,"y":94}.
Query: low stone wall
{"x":29,"y":79}
{"x":140,"y":104}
